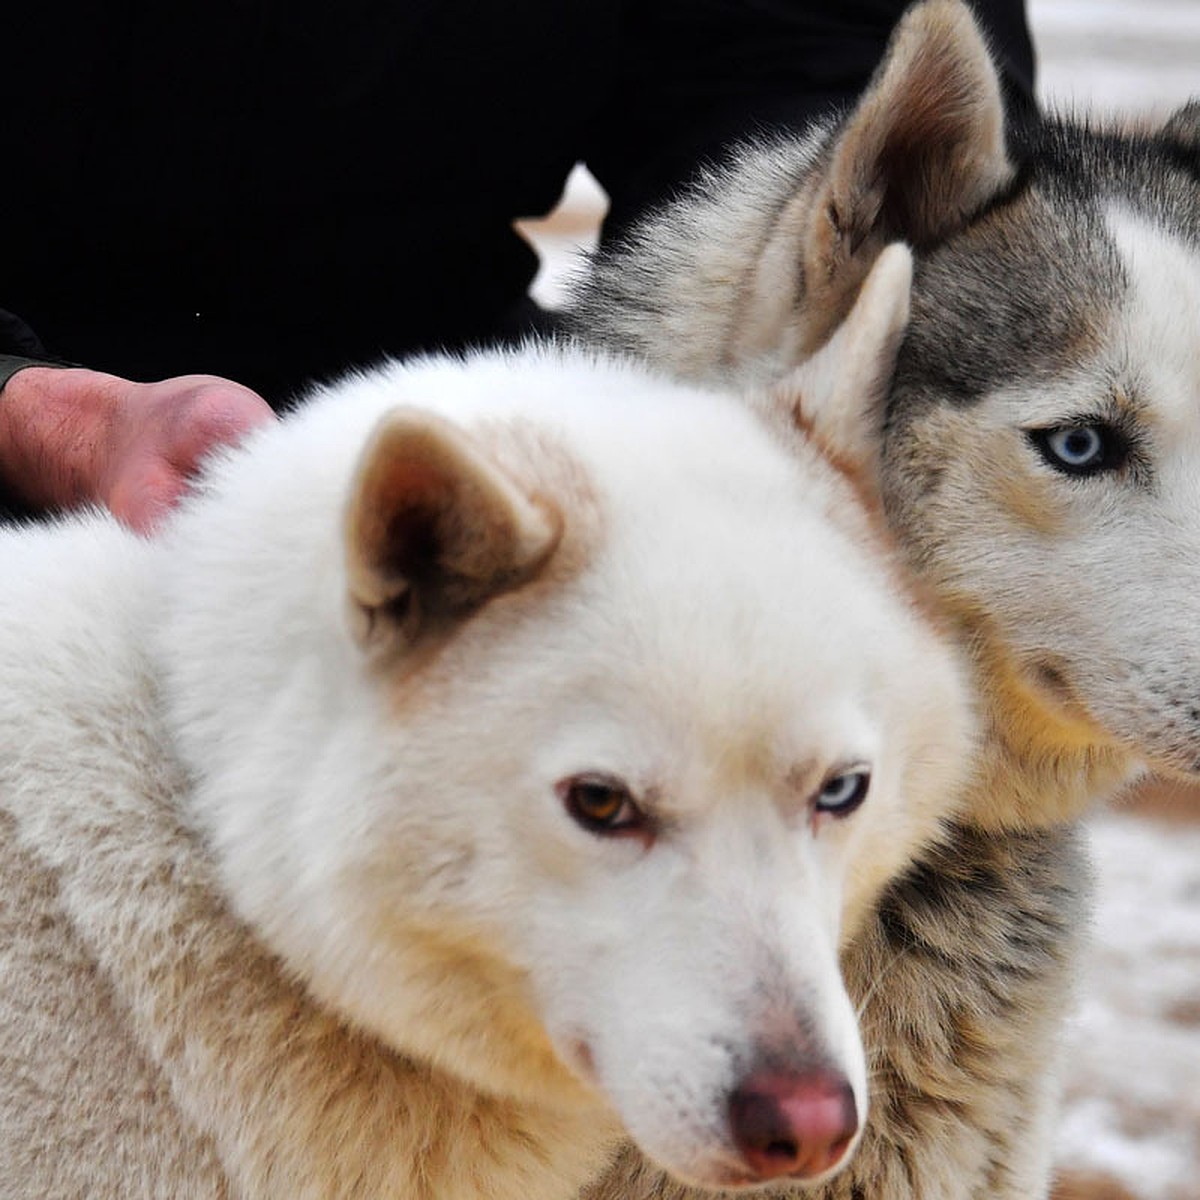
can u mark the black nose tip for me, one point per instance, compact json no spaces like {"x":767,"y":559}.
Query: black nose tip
{"x":793,"y":1124}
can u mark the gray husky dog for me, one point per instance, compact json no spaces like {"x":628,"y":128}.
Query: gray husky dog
{"x":1039,"y":461}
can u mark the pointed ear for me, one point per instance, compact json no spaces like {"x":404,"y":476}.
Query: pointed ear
{"x":1183,"y":127}
{"x":434,"y":529}
{"x":837,"y":396}
{"x":921,"y":153}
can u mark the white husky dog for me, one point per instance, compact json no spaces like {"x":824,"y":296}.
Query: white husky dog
{"x":491,"y":760}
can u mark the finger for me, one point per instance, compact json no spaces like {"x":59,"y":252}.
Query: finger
{"x":144,"y":496}
{"x":214,"y":417}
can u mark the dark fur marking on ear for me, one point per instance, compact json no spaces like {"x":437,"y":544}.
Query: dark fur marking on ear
{"x":1182,"y":130}
{"x":435,"y":528}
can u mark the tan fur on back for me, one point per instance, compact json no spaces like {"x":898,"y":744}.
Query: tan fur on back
{"x":117,"y":947}
{"x":96,"y":1121}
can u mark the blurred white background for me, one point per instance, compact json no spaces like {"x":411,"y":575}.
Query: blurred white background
{"x":1125,"y":55}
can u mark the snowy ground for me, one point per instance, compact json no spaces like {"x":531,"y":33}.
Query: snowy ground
{"x":1132,"y":1116}
{"x":1131,"y":1124}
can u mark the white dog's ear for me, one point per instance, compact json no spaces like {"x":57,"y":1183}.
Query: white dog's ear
{"x":434,"y":528}
{"x":921,"y":153}
{"x":837,"y":397}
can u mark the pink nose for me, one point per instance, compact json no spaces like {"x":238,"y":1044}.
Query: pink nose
{"x":798,"y":1125}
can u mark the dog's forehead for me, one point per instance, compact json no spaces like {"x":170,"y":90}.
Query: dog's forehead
{"x":1144,"y":370}
{"x":760,"y":630}
{"x":1155,"y":355}
{"x":1024,"y":293}
{"x":1035,"y":288}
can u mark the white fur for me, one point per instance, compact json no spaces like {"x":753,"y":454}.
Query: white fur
{"x":702,"y":657}
{"x":392,"y":829}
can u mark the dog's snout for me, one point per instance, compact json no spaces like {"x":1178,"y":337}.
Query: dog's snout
{"x":799,"y":1125}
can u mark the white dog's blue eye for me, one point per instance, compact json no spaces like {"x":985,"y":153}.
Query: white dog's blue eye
{"x":1085,"y":449}
{"x":841,"y":794}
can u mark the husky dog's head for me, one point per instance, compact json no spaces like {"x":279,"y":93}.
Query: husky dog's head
{"x":629,"y":722}
{"x":1042,"y":439}
{"x":1041,"y":444}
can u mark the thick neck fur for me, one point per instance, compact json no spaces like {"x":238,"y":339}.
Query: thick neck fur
{"x":1038,"y":764}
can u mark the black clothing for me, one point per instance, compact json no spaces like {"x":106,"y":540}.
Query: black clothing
{"x":270,"y":190}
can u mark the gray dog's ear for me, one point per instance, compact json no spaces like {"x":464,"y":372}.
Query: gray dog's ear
{"x":1183,"y":127}
{"x":434,"y":529}
{"x":920,"y":154}
{"x":836,"y":397}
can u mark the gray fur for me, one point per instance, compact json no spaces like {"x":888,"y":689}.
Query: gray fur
{"x":667,"y":289}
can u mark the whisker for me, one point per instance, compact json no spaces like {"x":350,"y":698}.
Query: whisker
{"x":893,"y":959}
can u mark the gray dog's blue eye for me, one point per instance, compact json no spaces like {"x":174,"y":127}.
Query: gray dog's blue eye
{"x":841,"y":794}
{"x":1085,"y":449}
{"x":1078,"y":448}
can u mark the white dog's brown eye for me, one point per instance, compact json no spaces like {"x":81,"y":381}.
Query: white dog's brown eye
{"x":601,"y":804}
{"x":842,"y":793}
{"x":1085,"y":449}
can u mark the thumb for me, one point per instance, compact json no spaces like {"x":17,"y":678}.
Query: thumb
{"x":144,"y":495}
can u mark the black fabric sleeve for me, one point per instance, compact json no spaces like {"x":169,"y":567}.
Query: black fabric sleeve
{"x":16,"y":337}
{"x":20,"y":347}
{"x":10,"y":364}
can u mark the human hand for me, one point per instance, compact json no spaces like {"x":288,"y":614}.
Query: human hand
{"x":158,"y":435}
{"x":70,"y":436}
